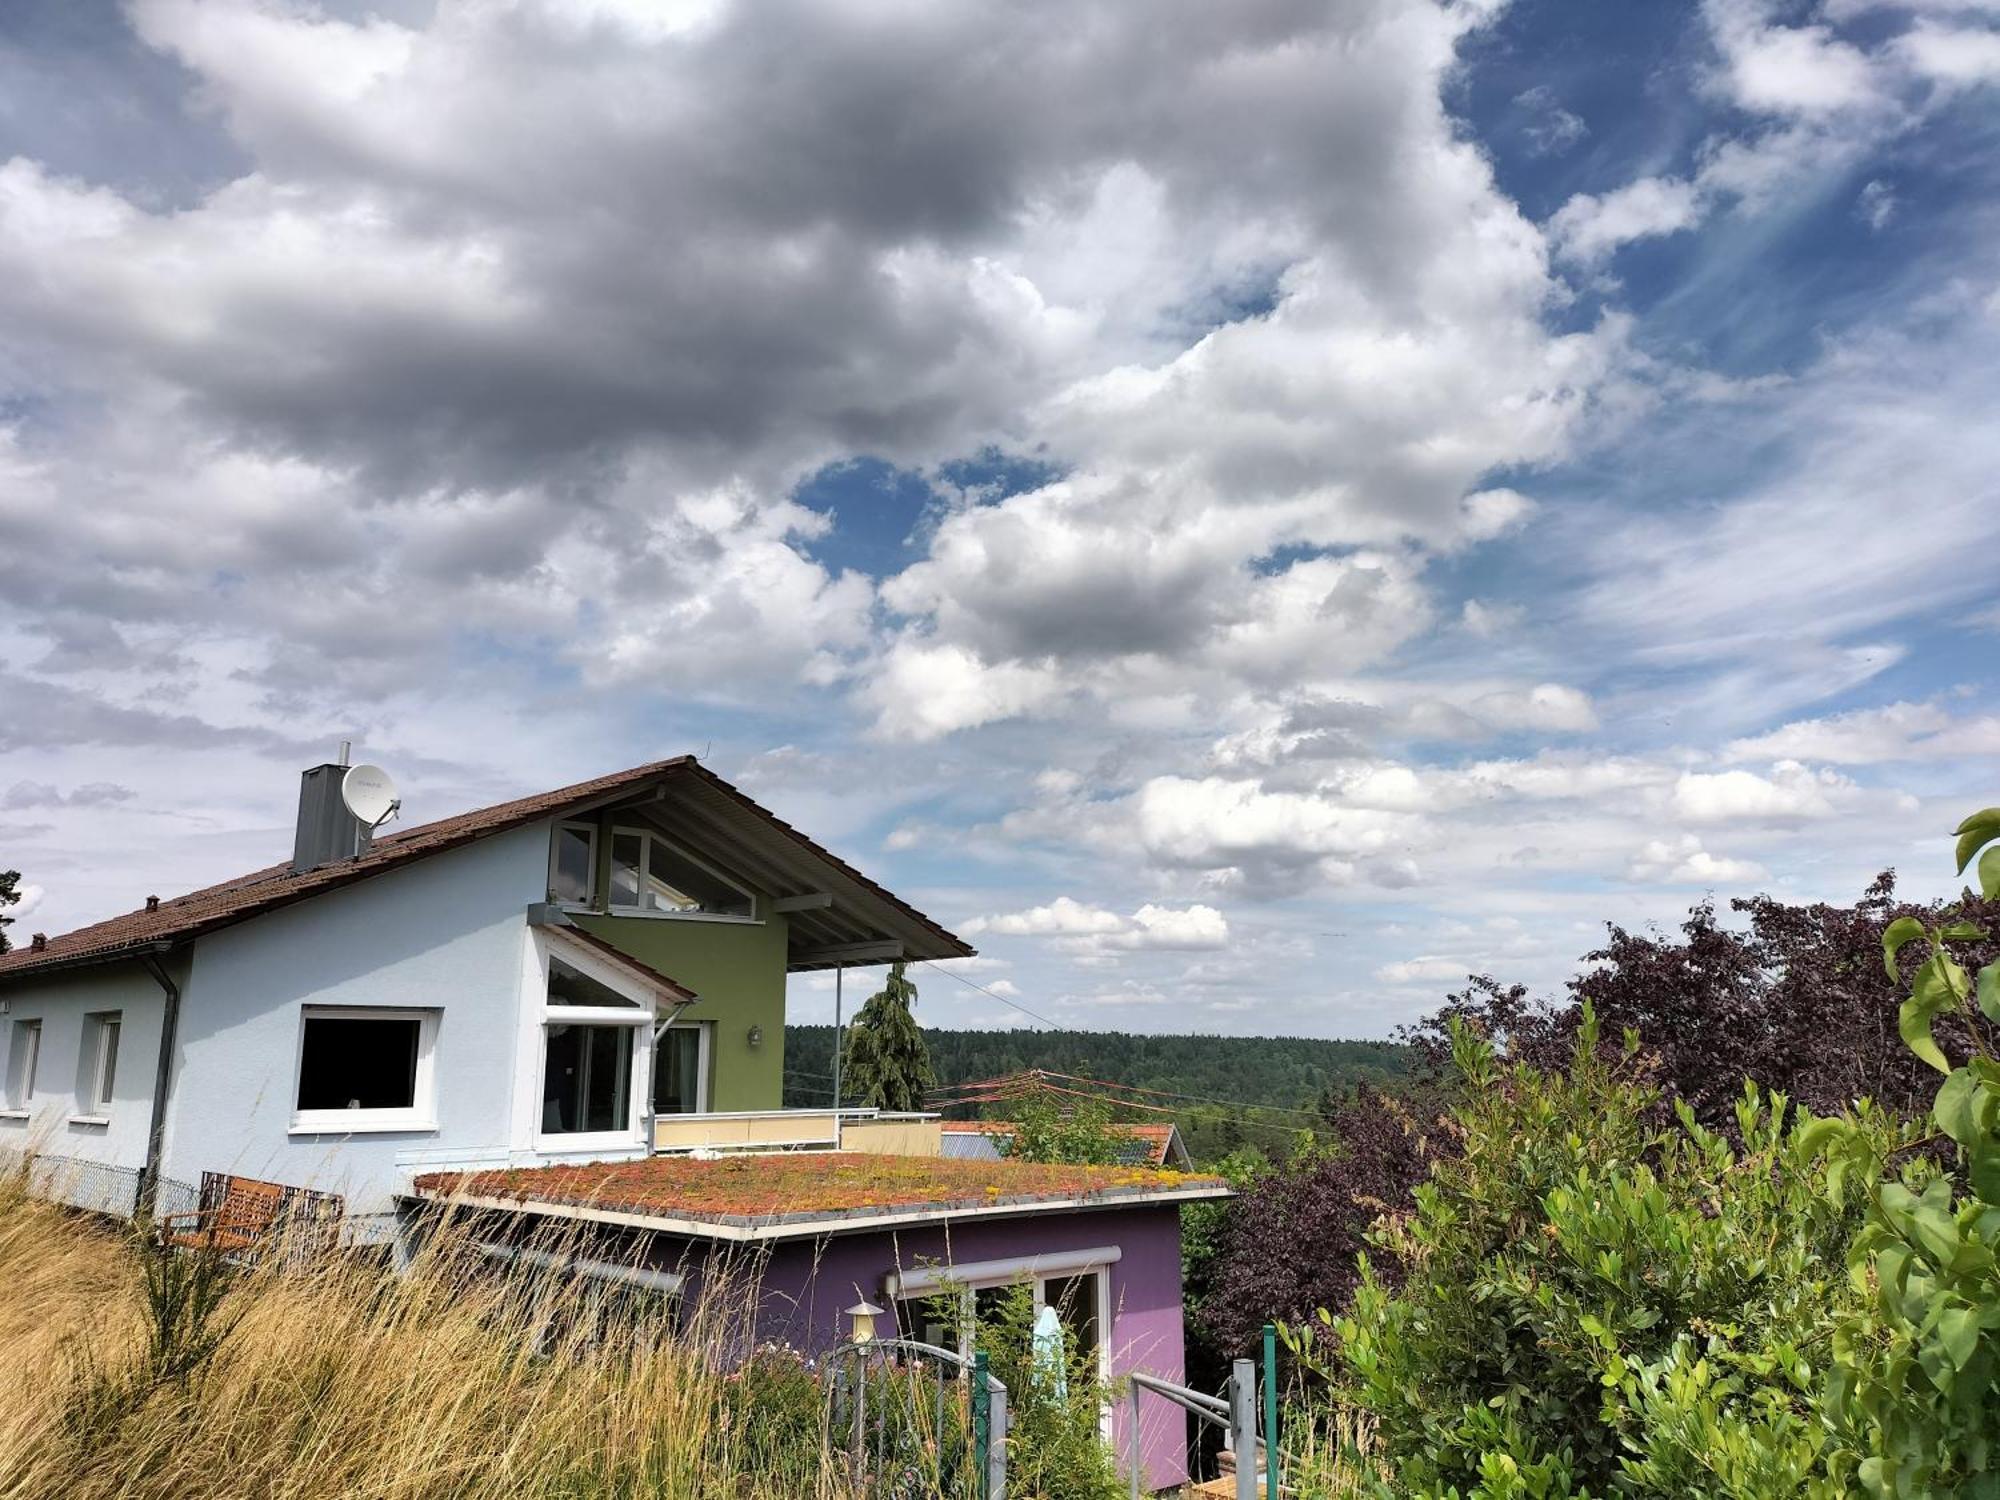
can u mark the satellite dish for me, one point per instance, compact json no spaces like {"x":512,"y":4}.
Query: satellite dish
{"x":369,"y":794}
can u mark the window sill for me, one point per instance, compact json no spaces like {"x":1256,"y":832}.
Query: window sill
{"x":363,"y":1126}
{"x":582,"y":1144}
{"x":16,"y":1114}
{"x":90,"y":1119}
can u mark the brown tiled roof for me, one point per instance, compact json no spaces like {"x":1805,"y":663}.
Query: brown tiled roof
{"x":266,"y":890}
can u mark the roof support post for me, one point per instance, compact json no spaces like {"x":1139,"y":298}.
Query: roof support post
{"x":839,"y":973}
{"x":163,"y":1078}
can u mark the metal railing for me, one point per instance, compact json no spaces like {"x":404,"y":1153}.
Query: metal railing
{"x":1235,"y":1414}
{"x":878,"y":1464}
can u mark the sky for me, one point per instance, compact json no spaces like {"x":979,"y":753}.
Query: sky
{"x":1249,"y":513}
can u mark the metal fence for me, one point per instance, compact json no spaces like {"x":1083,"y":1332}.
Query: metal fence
{"x":919,"y":1422}
{"x":94,"y":1186}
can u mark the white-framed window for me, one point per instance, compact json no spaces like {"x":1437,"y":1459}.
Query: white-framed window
{"x":680,"y":1068}
{"x":100,"y":1062}
{"x":24,"y":1053}
{"x":365,"y":1068}
{"x":652,"y":874}
{"x":573,"y":864}
{"x":941,"y":1307}
{"x":596,"y":1025}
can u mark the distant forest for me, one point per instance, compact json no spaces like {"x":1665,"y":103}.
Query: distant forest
{"x":1262,"y":1091}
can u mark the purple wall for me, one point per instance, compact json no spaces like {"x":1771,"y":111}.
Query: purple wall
{"x":804,"y":1288}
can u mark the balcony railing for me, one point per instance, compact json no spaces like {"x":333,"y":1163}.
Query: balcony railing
{"x":870,"y":1130}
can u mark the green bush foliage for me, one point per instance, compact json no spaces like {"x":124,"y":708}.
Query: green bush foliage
{"x":1597,"y":1303}
{"x":1914,"y":1400}
{"x":1076,"y":1134}
{"x":1054,"y":1448}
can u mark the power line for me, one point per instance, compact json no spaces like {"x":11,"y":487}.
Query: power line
{"x":1013,"y":1086}
{"x":1105,"y":1083}
{"x":1001,"y":998}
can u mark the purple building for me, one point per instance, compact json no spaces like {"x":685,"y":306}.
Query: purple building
{"x":1101,"y":1245}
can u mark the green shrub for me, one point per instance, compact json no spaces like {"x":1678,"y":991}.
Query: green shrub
{"x":1598,"y":1302}
{"x":1055,"y":1450}
{"x":1914,"y":1401}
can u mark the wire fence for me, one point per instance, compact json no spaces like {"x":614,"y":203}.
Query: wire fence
{"x":94,"y":1186}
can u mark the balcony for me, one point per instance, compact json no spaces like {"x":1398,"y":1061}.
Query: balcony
{"x":864,"y":1130}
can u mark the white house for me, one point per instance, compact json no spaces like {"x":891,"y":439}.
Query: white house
{"x":552,"y":979}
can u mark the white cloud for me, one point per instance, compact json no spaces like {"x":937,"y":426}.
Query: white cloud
{"x":1550,"y":128}
{"x":1426,"y":970}
{"x":1787,"y":70}
{"x":1876,"y":204}
{"x":1957,"y":56}
{"x":1893,"y":732}
{"x":1791,"y":793}
{"x":1684,"y":861}
{"x":1588,"y":227}
{"x":1548,"y":706}
{"x":1095,"y":930}
{"x":1488,"y":620}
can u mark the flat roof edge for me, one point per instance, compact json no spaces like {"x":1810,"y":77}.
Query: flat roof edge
{"x":739,"y":1229}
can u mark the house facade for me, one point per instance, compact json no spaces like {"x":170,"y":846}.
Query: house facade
{"x":587,"y":980}
{"x":537,"y":982}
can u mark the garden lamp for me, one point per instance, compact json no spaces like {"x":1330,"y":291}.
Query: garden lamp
{"x":862,"y":1318}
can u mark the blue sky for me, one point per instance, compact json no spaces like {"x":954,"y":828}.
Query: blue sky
{"x":1250,"y":513}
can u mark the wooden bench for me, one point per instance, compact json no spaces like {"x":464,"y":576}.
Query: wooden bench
{"x":239,"y":1217}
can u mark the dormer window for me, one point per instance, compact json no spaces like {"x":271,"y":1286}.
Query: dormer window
{"x":650,"y":874}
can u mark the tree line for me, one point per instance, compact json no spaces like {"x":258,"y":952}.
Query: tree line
{"x":1266,"y":1092}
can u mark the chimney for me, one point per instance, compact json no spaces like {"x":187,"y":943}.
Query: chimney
{"x":327,"y":831}
{"x":152,"y":903}
{"x":38,"y":943}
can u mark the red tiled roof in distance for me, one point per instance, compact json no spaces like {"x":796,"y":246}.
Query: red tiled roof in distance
{"x":776,"y":1188}
{"x":1157,"y":1137}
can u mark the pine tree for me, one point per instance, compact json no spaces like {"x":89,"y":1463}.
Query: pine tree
{"x":888,"y":1063}
{"x":10,"y":893}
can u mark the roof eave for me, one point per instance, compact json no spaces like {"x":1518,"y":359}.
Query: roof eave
{"x":740,"y":1230}
{"x":128,"y":953}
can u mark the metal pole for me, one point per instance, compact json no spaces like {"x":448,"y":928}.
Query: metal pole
{"x":996,"y":1440}
{"x":1243,"y":1426}
{"x":861,"y":1414}
{"x":1132,"y":1446}
{"x":982,"y":1426}
{"x":839,"y":973}
{"x":1270,"y":1412}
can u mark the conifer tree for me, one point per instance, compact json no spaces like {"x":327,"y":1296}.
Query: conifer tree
{"x":888,"y":1063}
{"x":10,"y":893}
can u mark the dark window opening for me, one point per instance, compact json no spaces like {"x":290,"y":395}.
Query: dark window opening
{"x":677,"y":1071}
{"x":1075,"y":1300}
{"x":650,"y":874}
{"x":351,"y":1062}
{"x":586,"y":1084}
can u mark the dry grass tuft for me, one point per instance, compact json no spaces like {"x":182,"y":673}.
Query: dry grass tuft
{"x":342,"y":1380}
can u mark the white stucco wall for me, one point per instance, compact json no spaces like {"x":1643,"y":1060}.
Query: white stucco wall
{"x":61,"y":1003}
{"x":444,"y":933}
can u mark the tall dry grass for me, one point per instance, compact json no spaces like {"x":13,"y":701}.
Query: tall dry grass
{"x":344,"y":1382}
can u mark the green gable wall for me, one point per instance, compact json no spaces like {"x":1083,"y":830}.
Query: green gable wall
{"x":738,"y":969}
